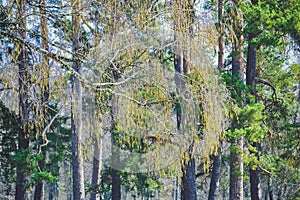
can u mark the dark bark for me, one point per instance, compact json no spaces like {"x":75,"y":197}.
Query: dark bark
{"x":188,"y":186}
{"x":216,"y":174}
{"x":76,"y":116}
{"x":221,"y":39}
{"x":255,"y":184}
{"x":251,"y":64}
{"x":39,"y":191}
{"x":256,"y":193}
{"x":116,"y":185}
{"x":23,"y":141}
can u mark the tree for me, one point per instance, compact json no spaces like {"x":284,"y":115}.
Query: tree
{"x":183,"y":29}
{"x":45,"y":86}
{"x":145,"y":90}
{"x":217,"y":162}
{"x":23,"y":139}
{"x":236,"y":163}
{"x":76,"y":116}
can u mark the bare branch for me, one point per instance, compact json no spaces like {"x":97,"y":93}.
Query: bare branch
{"x":44,"y":135}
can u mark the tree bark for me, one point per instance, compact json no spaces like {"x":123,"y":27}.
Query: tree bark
{"x":256,"y":193}
{"x":97,"y":159}
{"x":188,"y":186}
{"x":188,"y":190}
{"x":116,"y":178}
{"x":39,"y":189}
{"x":76,"y":104}
{"x":23,"y":139}
{"x":216,"y":172}
{"x":183,"y":33}
{"x":236,"y":171}
{"x":221,"y":39}
{"x":236,"y":162}
{"x":96,"y":168}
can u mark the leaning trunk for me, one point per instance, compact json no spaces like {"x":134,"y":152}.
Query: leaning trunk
{"x":23,"y":139}
{"x":76,"y":104}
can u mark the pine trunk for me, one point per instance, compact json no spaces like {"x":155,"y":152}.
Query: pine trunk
{"x":39,"y":189}
{"x":237,"y":144}
{"x":97,"y":158}
{"x":256,"y":193}
{"x":96,"y":168}
{"x":188,"y":191}
{"x":236,"y":171}
{"x":115,"y":174}
{"x":23,"y":139}
{"x":183,"y":33}
{"x":221,"y":39}
{"x":216,"y":172}
{"x":76,"y":117}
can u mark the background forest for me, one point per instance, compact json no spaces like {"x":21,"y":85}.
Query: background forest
{"x":149,"y":99}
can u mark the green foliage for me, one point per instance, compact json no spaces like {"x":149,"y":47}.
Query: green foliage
{"x":140,"y":183}
{"x":9,"y":130}
{"x":33,"y":162}
{"x":271,"y":19}
{"x":238,"y":90}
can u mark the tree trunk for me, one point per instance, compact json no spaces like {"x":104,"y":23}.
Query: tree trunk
{"x":44,"y":71}
{"x":256,"y":193}
{"x":183,"y":33}
{"x":97,"y":158}
{"x":188,"y":190}
{"x":76,"y":116}
{"x":188,"y":187}
{"x":96,"y":168}
{"x":221,"y":39}
{"x":23,"y":139}
{"x":39,"y":191}
{"x":236,"y":162}
{"x":216,"y":172}
{"x":115,"y":174}
{"x":236,"y":171}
